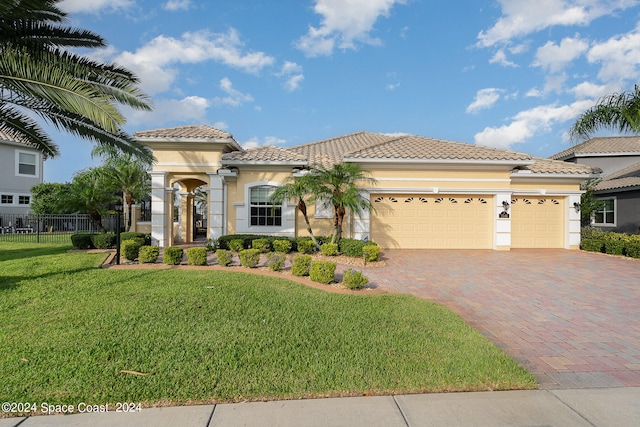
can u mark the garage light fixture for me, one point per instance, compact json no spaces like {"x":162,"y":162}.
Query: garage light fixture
{"x":505,"y":205}
{"x":576,"y":206}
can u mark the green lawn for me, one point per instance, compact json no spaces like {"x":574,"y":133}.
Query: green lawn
{"x":68,"y":329}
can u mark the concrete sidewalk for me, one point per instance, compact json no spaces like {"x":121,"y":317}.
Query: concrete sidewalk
{"x":575,"y":407}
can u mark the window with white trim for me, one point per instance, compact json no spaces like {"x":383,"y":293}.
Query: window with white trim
{"x":24,"y":200}
{"x":263,"y":213}
{"x":27,"y":164}
{"x":323,"y":209}
{"x":6,"y":199}
{"x":606,"y":214}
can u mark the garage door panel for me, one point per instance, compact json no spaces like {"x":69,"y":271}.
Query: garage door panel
{"x":537,"y":222}
{"x":460,"y":222}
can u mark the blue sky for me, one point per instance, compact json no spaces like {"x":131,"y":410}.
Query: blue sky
{"x":504,"y":73}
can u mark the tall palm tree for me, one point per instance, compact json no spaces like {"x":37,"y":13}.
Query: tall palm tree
{"x":298,"y":188}
{"x":339,"y":187}
{"x":91,"y":192}
{"x":70,"y":91}
{"x":619,"y":111}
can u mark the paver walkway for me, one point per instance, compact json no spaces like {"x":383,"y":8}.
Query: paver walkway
{"x":571,"y":318}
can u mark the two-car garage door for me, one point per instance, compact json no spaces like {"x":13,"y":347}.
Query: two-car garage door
{"x":464,"y":222}
{"x":432,"y":221}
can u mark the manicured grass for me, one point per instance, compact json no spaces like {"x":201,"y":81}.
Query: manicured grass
{"x":68,"y":329}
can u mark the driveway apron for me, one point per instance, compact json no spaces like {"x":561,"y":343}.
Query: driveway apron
{"x":571,"y":318}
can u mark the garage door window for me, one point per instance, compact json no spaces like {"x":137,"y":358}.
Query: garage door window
{"x":606,"y":215}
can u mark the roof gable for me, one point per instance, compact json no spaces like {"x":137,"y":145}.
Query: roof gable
{"x":605,"y":146}
{"x":625,"y":178}
{"x":264,"y":154}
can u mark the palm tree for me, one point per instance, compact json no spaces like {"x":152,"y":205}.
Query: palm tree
{"x":338,"y":186}
{"x":91,"y":192}
{"x":127,"y":173}
{"x":619,"y":111}
{"x":298,"y":188}
{"x":70,"y":91}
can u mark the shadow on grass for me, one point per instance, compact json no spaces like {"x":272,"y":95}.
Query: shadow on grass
{"x":31,"y":252}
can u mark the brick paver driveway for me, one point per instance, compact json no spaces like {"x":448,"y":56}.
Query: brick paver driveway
{"x":571,"y":318}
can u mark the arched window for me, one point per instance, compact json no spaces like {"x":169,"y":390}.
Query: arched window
{"x":263,"y":212}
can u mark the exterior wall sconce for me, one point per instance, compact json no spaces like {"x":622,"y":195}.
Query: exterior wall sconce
{"x":576,"y":206}
{"x":505,"y":205}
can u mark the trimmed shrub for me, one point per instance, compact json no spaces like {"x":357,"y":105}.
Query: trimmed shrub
{"x":262,"y":245}
{"x":351,"y":247}
{"x":353,"y":279}
{"x":130,"y":248}
{"x":282,"y":246}
{"x":148,"y":254}
{"x":82,"y":241}
{"x":329,"y":249}
{"x":224,"y":257}
{"x":276,"y":261}
{"x":322,"y":271}
{"x":592,"y":245}
{"x":250,"y":257}
{"x":632,"y":248}
{"x":614,"y":244}
{"x":371,"y":252}
{"x":236,"y":245}
{"x":305,"y":246}
{"x":172,"y":255}
{"x":128,"y":235}
{"x":104,"y":240}
{"x":197,"y":256}
{"x":301,"y":264}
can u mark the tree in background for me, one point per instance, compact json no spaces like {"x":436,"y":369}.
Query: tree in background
{"x":49,"y":198}
{"x":91,"y":192}
{"x":618,"y":111}
{"x":70,"y":91}
{"x":339,"y":188}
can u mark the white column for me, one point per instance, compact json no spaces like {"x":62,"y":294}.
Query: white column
{"x":159,"y":232}
{"x":574,"y":216}
{"x":362,"y":220}
{"x":216,"y":211}
{"x":502,"y":236}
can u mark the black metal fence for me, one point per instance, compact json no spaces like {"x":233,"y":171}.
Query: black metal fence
{"x":34,"y":228}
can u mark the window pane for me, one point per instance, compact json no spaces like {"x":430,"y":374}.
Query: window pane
{"x":27,"y":158}
{"x":608,"y":204}
{"x":26,"y":169}
{"x":599,"y":218}
{"x":609,"y":218}
{"x":23,"y":200}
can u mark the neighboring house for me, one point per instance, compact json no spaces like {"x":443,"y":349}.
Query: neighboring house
{"x":619,"y":159}
{"x":20,"y":169}
{"x":430,"y":193}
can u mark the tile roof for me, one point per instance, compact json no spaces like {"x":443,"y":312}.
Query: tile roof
{"x":331,"y":151}
{"x":625,"y":178}
{"x":543,"y":165}
{"x":6,"y":137}
{"x":185,"y":132}
{"x":264,"y":154}
{"x":413,"y":147}
{"x":600,"y":146}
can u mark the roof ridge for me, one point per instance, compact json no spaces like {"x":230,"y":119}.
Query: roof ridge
{"x":375,"y":144}
{"x":622,"y":172}
{"x":335,"y":138}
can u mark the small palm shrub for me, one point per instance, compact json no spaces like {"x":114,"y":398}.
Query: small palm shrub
{"x":172,"y":255}
{"x":224,"y":257}
{"x":276,"y":261}
{"x":197,"y":256}
{"x":322,"y":271}
{"x":282,"y":246}
{"x":261,"y":244}
{"x":236,"y":245}
{"x":250,"y":257}
{"x":329,"y":249}
{"x":130,"y":248}
{"x":148,"y":254}
{"x":353,"y":279}
{"x":300,"y":265}
{"x":305,"y":246}
{"x":371,"y":252}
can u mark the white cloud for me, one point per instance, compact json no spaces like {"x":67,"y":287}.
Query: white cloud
{"x":534,"y":93}
{"x":191,"y":109}
{"x":93,"y":6}
{"x":554,"y":58}
{"x":344,"y":23}
{"x":501,"y":58}
{"x":485,"y":98}
{"x":174,"y":5}
{"x":234,"y":97}
{"x":254,"y":142}
{"x":619,"y":56}
{"x":529,"y":123}
{"x":523,"y":17}
{"x":292,"y":73}
{"x":153,"y":61}
{"x":588,"y":90}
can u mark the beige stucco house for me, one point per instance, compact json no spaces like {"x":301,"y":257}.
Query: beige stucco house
{"x":430,"y":193}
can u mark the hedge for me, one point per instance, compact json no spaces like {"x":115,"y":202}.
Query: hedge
{"x":322,"y":271}
{"x":594,"y":240}
{"x":172,"y":255}
{"x":197,"y":256}
{"x":82,"y":241}
{"x":148,"y":254}
{"x":104,"y":240}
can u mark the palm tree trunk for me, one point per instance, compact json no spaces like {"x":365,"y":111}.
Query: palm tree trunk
{"x":302,"y":207}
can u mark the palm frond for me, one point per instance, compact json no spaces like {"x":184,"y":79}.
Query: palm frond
{"x":24,"y":129}
{"x":45,"y":34}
